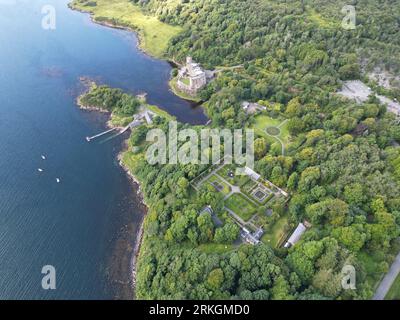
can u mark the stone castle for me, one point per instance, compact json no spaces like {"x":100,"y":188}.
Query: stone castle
{"x":191,"y":77}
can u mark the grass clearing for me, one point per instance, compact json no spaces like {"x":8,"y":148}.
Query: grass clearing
{"x":154,"y":35}
{"x":223,"y":172}
{"x":160,"y":112}
{"x":394,"y":292}
{"x":215,"y":180}
{"x":274,"y":233}
{"x":120,"y":121}
{"x":241,"y":206}
{"x":129,"y":159}
{"x":236,"y":180}
{"x":276,"y":126}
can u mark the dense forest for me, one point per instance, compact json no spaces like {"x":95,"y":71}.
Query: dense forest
{"x":342,"y":166}
{"x":110,"y":99}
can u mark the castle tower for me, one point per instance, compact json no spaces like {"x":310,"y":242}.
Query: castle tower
{"x":189,"y":62}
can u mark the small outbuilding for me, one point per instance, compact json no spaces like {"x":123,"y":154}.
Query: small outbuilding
{"x":296,"y":235}
{"x":207,"y":210}
{"x":251,"y":173}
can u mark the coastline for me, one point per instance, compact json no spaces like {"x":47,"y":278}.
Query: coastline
{"x":138,"y":237}
{"x":87,"y":82}
{"x":140,"y":233}
{"x":141,"y":47}
{"x":137,"y":32}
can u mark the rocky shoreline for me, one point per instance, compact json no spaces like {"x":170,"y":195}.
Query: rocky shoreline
{"x":87,"y":82}
{"x":140,"y":232}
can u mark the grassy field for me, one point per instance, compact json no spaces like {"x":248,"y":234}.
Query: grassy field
{"x":225,"y":190}
{"x":154,"y":34}
{"x":223,"y":172}
{"x":273,"y":234}
{"x":160,"y":112}
{"x":237,"y":180}
{"x":241,"y":206}
{"x":262,"y":122}
{"x":394,"y":292}
{"x":120,"y":121}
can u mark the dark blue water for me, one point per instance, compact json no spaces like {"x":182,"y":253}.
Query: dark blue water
{"x":82,"y":225}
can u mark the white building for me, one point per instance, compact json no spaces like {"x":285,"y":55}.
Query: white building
{"x":296,"y":235}
{"x":251,"y":173}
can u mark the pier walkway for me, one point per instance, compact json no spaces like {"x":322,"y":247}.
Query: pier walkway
{"x":132,"y":125}
{"x":100,"y":134}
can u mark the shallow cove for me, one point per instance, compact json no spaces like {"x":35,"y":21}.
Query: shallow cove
{"x":90,"y":217}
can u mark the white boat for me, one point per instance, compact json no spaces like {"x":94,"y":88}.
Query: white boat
{"x":58,"y":180}
{"x":43,"y":157}
{"x":40,"y":170}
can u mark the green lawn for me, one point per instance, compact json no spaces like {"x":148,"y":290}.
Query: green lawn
{"x":274,"y":233}
{"x":241,"y":206}
{"x":214,"y":178}
{"x":394,"y":292}
{"x":120,"y":121}
{"x":154,"y":34}
{"x":248,"y":186}
{"x":262,"y":122}
{"x":129,"y":159}
{"x":160,"y":112}
{"x":237,"y":180}
{"x":185,"y":81}
{"x":223,"y":172}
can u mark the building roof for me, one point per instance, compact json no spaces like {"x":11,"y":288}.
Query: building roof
{"x":135,"y":123}
{"x":251,"y":173}
{"x":296,"y":235}
{"x":253,"y":238}
{"x":206,"y":209}
{"x":148,"y":118}
{"x":258,"y":234}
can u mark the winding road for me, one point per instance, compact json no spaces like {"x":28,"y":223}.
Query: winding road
{"x":388,"y":280}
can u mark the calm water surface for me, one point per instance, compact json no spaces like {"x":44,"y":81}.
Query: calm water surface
{"x":83,"y":223}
